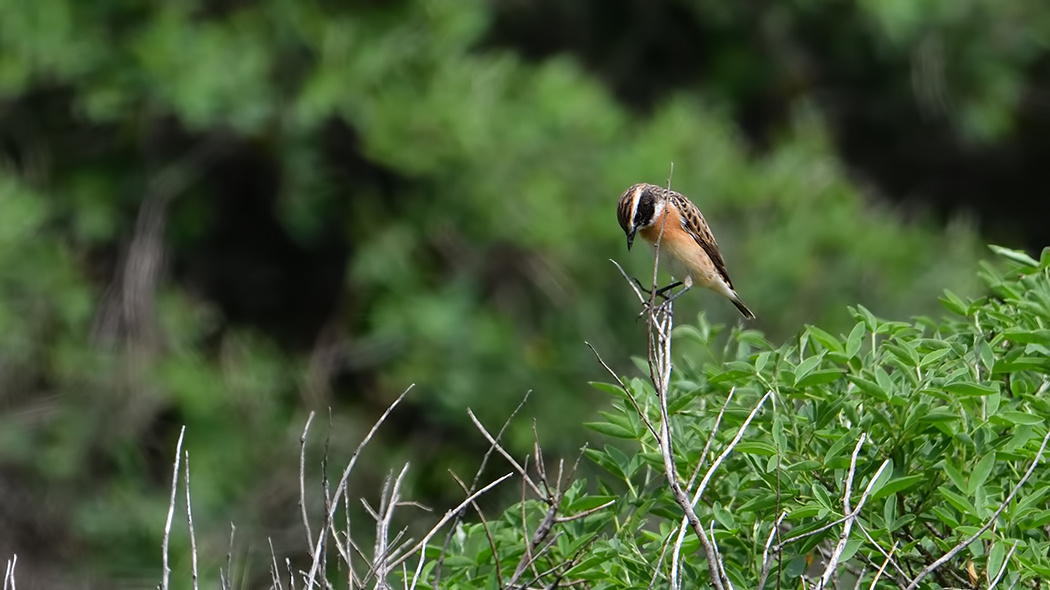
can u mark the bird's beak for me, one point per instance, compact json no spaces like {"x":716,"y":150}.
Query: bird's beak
{"x":630,"y":240}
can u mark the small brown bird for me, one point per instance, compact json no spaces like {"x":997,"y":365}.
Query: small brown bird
{"x":643,"y":209}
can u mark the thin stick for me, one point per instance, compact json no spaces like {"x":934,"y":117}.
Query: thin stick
{"x":767,"y":563}
{"x":227,"y":581}
{"x":449,"y":515}
{"x":302,"y":479}
{"x":623,"y":386}
{"x":473,"y":486}
{"x":485,"y":525}
{"x":9,"y":576}
{"x":675,"y":555}
{"x":383,"y":528}
{"x":966,"y":543}
{"x":878,"y":574}
{"x":275,"y":573}
{"x":189,"y":519}
{"x":1002,"y":570}
{"x":492,"y":441}
{"x":637,"y":291}
{"x":165,"y":577}
{"x":736,"y":439}
{"x":330,"y":513}
{"x":829,"y":570}
{"x":710,"y":439}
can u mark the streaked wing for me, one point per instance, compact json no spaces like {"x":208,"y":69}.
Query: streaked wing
{"x":694,"y":224}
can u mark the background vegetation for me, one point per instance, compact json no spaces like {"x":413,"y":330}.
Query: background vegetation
{"x":228,"y":214}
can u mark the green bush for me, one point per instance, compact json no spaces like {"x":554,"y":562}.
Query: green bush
{"x":952,"y":410}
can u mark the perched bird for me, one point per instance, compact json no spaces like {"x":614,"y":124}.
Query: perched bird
{"x":643,"y":209}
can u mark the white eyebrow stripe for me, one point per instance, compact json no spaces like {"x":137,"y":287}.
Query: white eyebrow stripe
{"x":635,"y":198}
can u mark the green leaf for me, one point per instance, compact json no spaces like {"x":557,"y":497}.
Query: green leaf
{"x":945,"y":516}
{"x":896,"y":485}
{"x":984,"y":352}
{"x":1020,"y":418}
{"x":956,"y":476}
{"x":953,"y":303}
{"x":1014,"y":255}
{"x":723,"y":516}
{"x":610,"y":429}
{"x":796,"y":567}
{"x":756,"y":448}
{"x":969,"y":389}
{"x":760,"y":361}
{"x":588,"y":502}
{"x":1040,"y":520}
{"x":854,"y":340}
{"x":609,"y":388}
{"x":933,"y":356}
{"x":939,"y":415}
{"x":807,"y":465}
{"x":681,"y":401}
{"x":869,"y":388}
{"x":995,"y":558}
{"x":1028,"y":336}
{"x":826,"y":340}
{"x":958,"y":502}
{"x":821,"y":495}
{"x":806,"y":366}
{"x":819,"y":378}
{"x":981,"y":472}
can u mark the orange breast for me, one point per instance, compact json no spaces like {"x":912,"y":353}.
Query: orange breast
{"x":691,"y":259}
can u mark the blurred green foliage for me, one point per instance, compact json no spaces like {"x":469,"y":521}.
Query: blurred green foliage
{"x":467,"y":201}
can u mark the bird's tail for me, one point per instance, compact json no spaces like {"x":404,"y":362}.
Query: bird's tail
{"x":743,"y":308}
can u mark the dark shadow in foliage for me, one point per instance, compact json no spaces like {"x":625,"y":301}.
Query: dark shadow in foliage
{"x":760,"y":58}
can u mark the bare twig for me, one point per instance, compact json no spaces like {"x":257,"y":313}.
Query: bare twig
{"x":495,"y":444}
{"x":675,"y":555}
{"x":226,"y":581}
{"x":767,"y":563}
{"x":189,"y":519}
{"x":485,"y":525}
{"x":833,"y":562}
{"x":966,"y":542}
{"x":275,"y":573}
{"x":9,"y":575}
{"x":473,"y":486}
{"x":736,"y":439}
{"x":878,"y":574}
{"x":623,"y":386}
{"x":330,"y":512}
{"x":302,"y":479}
{"x":710,"y":440}
{"x":1002,"y":570}
{"x":449,"y":515}
{"x":387,"y":506}
{"x":630,"y":281}
{"x":166,"y":575}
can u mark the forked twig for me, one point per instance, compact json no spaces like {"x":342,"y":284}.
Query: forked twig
{"x":166,"y":575}
{"x":330,"y":512}
{"x":832,"y":564}
{"x":189,"y":519}
{"x":987,"y":525}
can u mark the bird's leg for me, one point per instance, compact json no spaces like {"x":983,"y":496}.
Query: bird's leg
{"x":668,"y":299}
{"x":686,"y":285}
{"x":661,"y":292}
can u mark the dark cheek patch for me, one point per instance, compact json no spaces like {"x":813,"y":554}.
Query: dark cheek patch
{"x":646,"y":209}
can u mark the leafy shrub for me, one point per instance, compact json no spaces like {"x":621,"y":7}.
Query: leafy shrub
{"x":947,"y":416}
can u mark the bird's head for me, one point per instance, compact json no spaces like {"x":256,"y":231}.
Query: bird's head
{"x":639,"y":208}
